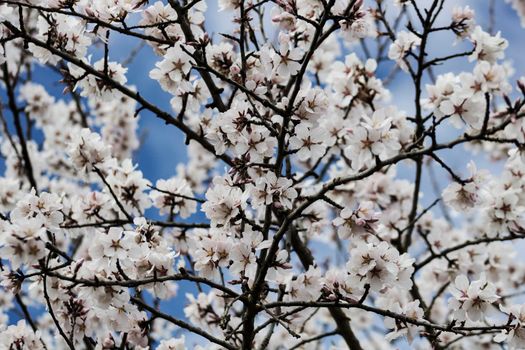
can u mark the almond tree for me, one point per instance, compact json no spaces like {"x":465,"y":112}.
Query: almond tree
{"x":289,"y":221}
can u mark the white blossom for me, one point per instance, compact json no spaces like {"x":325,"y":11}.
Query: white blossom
{"x":472,"y":299}
{"x":404,"y":42}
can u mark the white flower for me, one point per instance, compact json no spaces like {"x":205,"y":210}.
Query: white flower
{"x":308,"y":142}
{"x":269,"y":189}
{"x":228,"y":4}
{"x":287,"y":59}
{"x":359,"y":28}
{"x":244,"y":261}
{"x":130,"y":186}
{"x":172,"y":69}
{"x":515,"y":336}
{"x":463,"y":109}
{"x":280,"y":269}
{"x":87,"y":150}
{"x":487,"y":47}
{"x":39,"y":102}
{"x":359,"y":221}
{"x":467,"y":195}
{"x":21,"y":336}
{"x":411,"y":310}
{"x":72,"y":33}
{"x":375,"y":265}
{"x":463,"y":19}
{"x":45,"y":207}
{"x":174,"y":196}
{"x":489,"y":77}
{"x":95,"y":87}
{"x":472,"y":299}
{"x":172,"y":344}
{"x":374,"y":137}
{"x":24,"y":242}
{"x":404,"y":42}
{"x":307,"y":286}
{"x":114,"y":244}
{"x":212,"y":253}
{"x":461,"y":197}
{"x":503,"y":211}
{"x":223,"y":203}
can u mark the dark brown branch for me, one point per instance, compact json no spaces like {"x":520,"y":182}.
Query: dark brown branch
{"x":18,"y":126}
{"x":182,"y":324}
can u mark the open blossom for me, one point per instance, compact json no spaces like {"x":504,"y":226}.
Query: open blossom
{"x":21,"y":334}
{"x":504,"y":211}
{"x":377,"y":265}
{"x":223,"y":203}
{"x":270,"y":189}
{"x":464,"y":109}
{"x":159,"y":12}
{"x":44,"y":207}
{"x":404,"y":42}
{"x":213,"y":253}
{"x":359,"y":221}
{"x":114,"y":244}
{"x":280,"y":269}
{"x":189,"y":94}
{"x":461,"y":196}
{"x":411,"y":310}
{"x":222,"y":58}
{"x":130,"y":186}
{"x":314,"y":103}
{"x":172,"y":69}
{"x":467,"y":195}
{"x":488,"y":77}
{"x":39,"y":102}
{"x":515,"y":336}
{"x":374,"y":138}
{"x":174,"y":196}
{"x":24,"y":242}
{"x":463,"y":19}
{"x":95,"y":86}
{"x":9,"y":194}
{"x":72,"y":32}
{"x":487,"y":47}
{"x":306,"y":287}
{"x":286,"y":60}
{"x":359,"y":28}
{"x":172,"y":344}
{"x":472,"y":300}
{"x":88,"y":150}
{"x":308,"y":142}
{"x":244,"y":261}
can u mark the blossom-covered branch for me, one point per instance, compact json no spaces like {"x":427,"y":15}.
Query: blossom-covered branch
{"x":291,"y":222}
